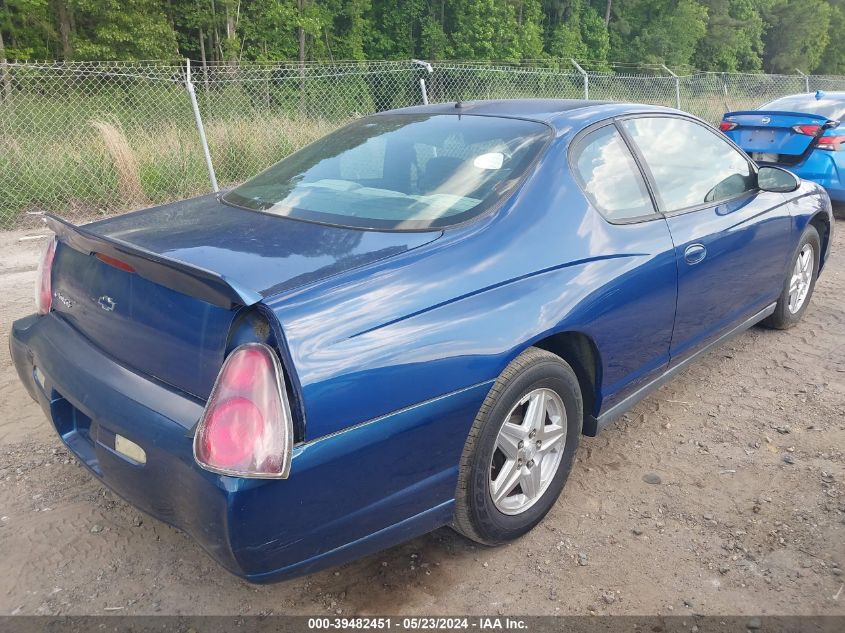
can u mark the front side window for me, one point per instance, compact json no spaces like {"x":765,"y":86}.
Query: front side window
{"x":399,"y":171}
{"x":609,"y":176}
{"x":691,"y":164}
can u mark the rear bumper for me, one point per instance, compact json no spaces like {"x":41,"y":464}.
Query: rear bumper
{"x":349,"y":494}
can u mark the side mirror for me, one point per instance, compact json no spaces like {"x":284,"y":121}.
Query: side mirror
{"x":777,"y":180}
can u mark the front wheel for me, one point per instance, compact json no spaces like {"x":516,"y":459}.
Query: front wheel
{"x":799,"y":283}
{"x":520,"y":449}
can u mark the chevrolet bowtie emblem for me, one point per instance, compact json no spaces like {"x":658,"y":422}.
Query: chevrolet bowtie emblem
{"x":106,"y":303}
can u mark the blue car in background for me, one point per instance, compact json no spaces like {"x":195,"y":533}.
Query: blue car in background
{"x":803,"y":133}
{"x":409,"y":323}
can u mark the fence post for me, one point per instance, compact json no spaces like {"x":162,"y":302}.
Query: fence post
{"x":806,"y":80}
{"x":7,"y":79}
{"x":4,"y":71}
{"x":189,"y":85}
{"x":677,"y":85}
{"x":586,"y":78}
{"x":429,"y":69}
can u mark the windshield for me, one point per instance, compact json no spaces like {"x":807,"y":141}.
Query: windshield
{"x":831,"y":107}
{"x":398,"y":171}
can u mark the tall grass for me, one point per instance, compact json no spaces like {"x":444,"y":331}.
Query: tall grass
{"x":124,"y":160}
{"x":105,"y":167}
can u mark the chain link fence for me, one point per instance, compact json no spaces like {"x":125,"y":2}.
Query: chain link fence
{"x":90,"y":139}
{"x":85,"y":140}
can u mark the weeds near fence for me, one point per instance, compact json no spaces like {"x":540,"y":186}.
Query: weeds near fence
{"x":124,"y":160}
{"x":116,"y":169}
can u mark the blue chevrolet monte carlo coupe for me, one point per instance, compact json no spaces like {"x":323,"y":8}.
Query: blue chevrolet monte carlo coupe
{"x":409,"y":323}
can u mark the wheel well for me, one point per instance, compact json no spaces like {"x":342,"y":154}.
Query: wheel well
{"x":822,"y":225}
{"x":580,"y":352}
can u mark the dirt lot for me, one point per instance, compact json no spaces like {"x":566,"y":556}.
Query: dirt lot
{"x":748,"y":516}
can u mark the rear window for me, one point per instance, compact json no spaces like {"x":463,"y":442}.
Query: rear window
{"x":399,"y":172}
{"x":831,"y":107}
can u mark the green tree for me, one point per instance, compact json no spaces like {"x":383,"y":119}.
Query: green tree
{"x":121,"y":29}
{"x":657,"y":31}
{"x":529,"y":17}
{"x":485,"y":29}
{"x":722,"y":35}
{"x":434,"y":43}
{"x":833,"y":59}
{"x":797,"y":35}
{"x":734,"y":38}
{"x":345,"y":28}
{"x":406,"y":28}
{"x":575,"y":29}
{"x":270,"y":29}
{"x":26,"y":30}
{"x":596,"y":37}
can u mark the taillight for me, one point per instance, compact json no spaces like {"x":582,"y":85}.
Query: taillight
{"x":807,"y":130}
{"x":727,"y":126}
{"x":831,"y":143}
{"x":44,"y":279}
{"x":246,"y":429}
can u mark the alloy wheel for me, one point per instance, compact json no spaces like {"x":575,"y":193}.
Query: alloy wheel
{"x":802,"y":276}
{"x":528,"y":451}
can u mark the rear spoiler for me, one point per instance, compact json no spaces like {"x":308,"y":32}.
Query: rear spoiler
{"x":191,"y":280}
{"x":818,"y":117}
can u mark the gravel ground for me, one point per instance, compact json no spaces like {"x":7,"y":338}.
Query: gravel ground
{"x":723,"y":493}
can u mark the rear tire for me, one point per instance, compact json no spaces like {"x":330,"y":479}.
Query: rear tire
{"x":539,"y":398}
{"x":799,"y":283}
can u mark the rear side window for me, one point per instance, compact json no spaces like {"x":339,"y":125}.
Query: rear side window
{"x":609,"y":176}
{"x":691,"y":164}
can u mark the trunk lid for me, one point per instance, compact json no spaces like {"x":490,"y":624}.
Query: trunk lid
{"x":772,"y":133}
{"x":193,"y":266}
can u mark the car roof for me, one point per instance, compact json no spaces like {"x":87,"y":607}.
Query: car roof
{"x":812,"y":96}
{"x":560,"y":113}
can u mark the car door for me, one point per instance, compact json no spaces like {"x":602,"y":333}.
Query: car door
{"x":631,"y":316}
{"x":731,"y":240}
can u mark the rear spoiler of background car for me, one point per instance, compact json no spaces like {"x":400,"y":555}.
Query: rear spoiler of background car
{"x":191,"y":280}
{"x":825,"y":121}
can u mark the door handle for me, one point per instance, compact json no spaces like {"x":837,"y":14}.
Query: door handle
{"x":694,"y":253}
